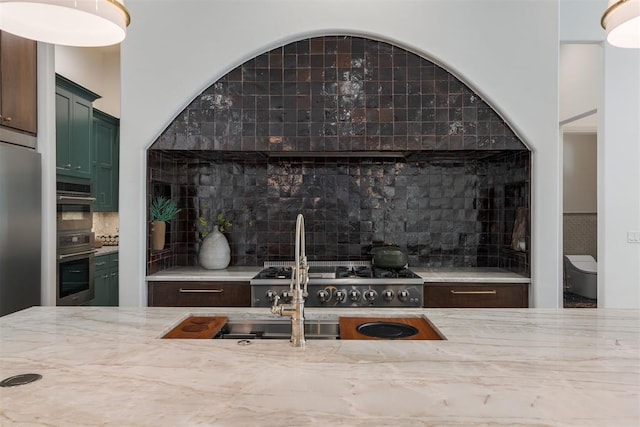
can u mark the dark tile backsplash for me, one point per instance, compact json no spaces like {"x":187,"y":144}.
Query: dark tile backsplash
{"x":449,"y":196}
{"x":444,"y":211}
{"x":338,"y":94}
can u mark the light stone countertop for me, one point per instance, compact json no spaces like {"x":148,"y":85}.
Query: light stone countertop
{"x":187,"y":274}
{"x":106,"y":366}
{"x":469,"y":275}
{"x":106,"y":250}
{"x":458,"y":275}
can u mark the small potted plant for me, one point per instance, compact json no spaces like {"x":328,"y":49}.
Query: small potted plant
{"x":162,"y":210}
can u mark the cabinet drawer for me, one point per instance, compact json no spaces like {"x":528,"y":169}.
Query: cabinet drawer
{"x":107,"y":261}
{"x":476,"y":295}
{"x":199,"y":294}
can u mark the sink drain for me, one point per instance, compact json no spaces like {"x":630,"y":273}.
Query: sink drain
{"x":21,"y":379}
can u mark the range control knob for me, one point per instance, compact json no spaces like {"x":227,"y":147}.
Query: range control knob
{"x":286,"y":296}
{"x":354,"y":295}
{"x":370,"y":295}
{"x":387,"y":294}
{"x":403,"y":295}
{"x":324,"y":295}
{"x":271,"y":295}
{"x":340,"y":295}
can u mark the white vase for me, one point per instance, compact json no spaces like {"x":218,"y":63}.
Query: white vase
{"x":215,"y":253}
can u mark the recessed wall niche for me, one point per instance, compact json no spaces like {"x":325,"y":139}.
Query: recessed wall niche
{"x":299,"y":129}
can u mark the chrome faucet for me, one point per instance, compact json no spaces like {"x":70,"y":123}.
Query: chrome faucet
{"x":297,"y":289}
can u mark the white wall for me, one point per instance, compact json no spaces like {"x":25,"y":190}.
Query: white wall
{"x":580,"y":164}
{"x":506,"y":50}
{"x":97,"y":69}
{"x":580,"y":84}
{"x":619,"y":180}
{"x":47,"y":148}
{"x":618,"y":155}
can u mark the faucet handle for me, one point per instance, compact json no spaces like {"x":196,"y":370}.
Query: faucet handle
{"x":275,"y":298}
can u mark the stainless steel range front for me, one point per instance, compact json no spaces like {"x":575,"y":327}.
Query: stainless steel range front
{"x":340,"y":284}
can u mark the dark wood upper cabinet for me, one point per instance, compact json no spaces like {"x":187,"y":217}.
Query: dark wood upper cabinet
{"x":18,"y":83}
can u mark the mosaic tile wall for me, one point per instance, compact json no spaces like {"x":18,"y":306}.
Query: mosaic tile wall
{"x":453,"y":202}
{"x":338,"y":94}
{"x":580,"y":234}
{"x":444,"y":211}
{"x":162,"y":180}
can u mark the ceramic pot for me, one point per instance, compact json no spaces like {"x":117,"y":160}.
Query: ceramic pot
{"x":215,"y":253}
{"x":389,"y":256}
{"x":158,"y":229}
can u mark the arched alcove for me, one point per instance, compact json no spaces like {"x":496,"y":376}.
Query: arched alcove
{"x":372,"y":142}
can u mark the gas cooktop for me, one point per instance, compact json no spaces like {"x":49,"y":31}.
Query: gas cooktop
{"x":338,"y":272}
{"x":341,"y":284}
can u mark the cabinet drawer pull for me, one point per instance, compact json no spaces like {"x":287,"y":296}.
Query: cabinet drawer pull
{"x":201,"y":291}
{"x":491,"y":292}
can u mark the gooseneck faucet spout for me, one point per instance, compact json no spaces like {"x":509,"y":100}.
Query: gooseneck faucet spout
{"x":297,"y":288}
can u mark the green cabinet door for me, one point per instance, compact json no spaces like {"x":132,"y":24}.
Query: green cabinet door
{"x":81,"y":137}
{"x":105,"y":161}
{"x":102,"y":286}
{"x":64,"y":102}
{"x":74,"y":124}
{"x":106,"y":281}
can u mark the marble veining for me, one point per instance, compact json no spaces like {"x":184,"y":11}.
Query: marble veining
{"x":106,"y":366}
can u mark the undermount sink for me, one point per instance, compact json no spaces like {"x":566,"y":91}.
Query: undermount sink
{"x":344,"y":327}
{"x":277,"y":329}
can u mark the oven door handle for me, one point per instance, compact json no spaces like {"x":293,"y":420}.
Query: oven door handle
{"x":61,"y":257}
{"x":77,"y":198}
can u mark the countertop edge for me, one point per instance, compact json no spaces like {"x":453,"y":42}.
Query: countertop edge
{"x":432,"y":275}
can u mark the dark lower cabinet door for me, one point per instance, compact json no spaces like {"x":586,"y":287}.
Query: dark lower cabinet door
{"x":199,"y":294}
{"x":476,"y":295}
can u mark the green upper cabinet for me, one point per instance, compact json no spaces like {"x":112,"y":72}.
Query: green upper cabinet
{"x":74,"y":124}
{"x":105,"y":161}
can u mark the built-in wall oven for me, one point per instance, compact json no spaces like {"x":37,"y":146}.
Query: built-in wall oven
{"x":75,"y":268}
{"x":74,"y":205}
{"x":75,"y":245}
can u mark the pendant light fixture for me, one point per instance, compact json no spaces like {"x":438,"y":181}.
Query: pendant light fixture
{"x":82,"y":23}
{"x":621,"y":20}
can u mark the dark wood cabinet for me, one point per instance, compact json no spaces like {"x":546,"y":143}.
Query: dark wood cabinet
{"x":199,"y":294}
{"x":476,"y":295}
{"x":18,"y":83}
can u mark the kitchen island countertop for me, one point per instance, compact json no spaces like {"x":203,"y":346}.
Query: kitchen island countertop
{"x":106,"y":366}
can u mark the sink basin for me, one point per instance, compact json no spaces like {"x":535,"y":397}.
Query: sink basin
{"x":277,"y":329}
{"x":387,"y":330}
{"x":344,"y":327}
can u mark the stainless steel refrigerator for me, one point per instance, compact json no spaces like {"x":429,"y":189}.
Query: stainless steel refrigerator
{"x":20,"y":227}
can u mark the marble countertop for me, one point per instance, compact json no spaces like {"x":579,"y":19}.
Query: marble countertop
{"x":231,"y":274}
{"x":469,"y":275}
{"x":458,"y":275}
{"x":106,"y":250}
{"x":106,"y":366}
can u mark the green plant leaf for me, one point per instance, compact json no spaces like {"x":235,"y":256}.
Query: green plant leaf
{"x":163,"y":209}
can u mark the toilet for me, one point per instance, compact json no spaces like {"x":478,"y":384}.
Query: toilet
{"x":581,"y":275}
